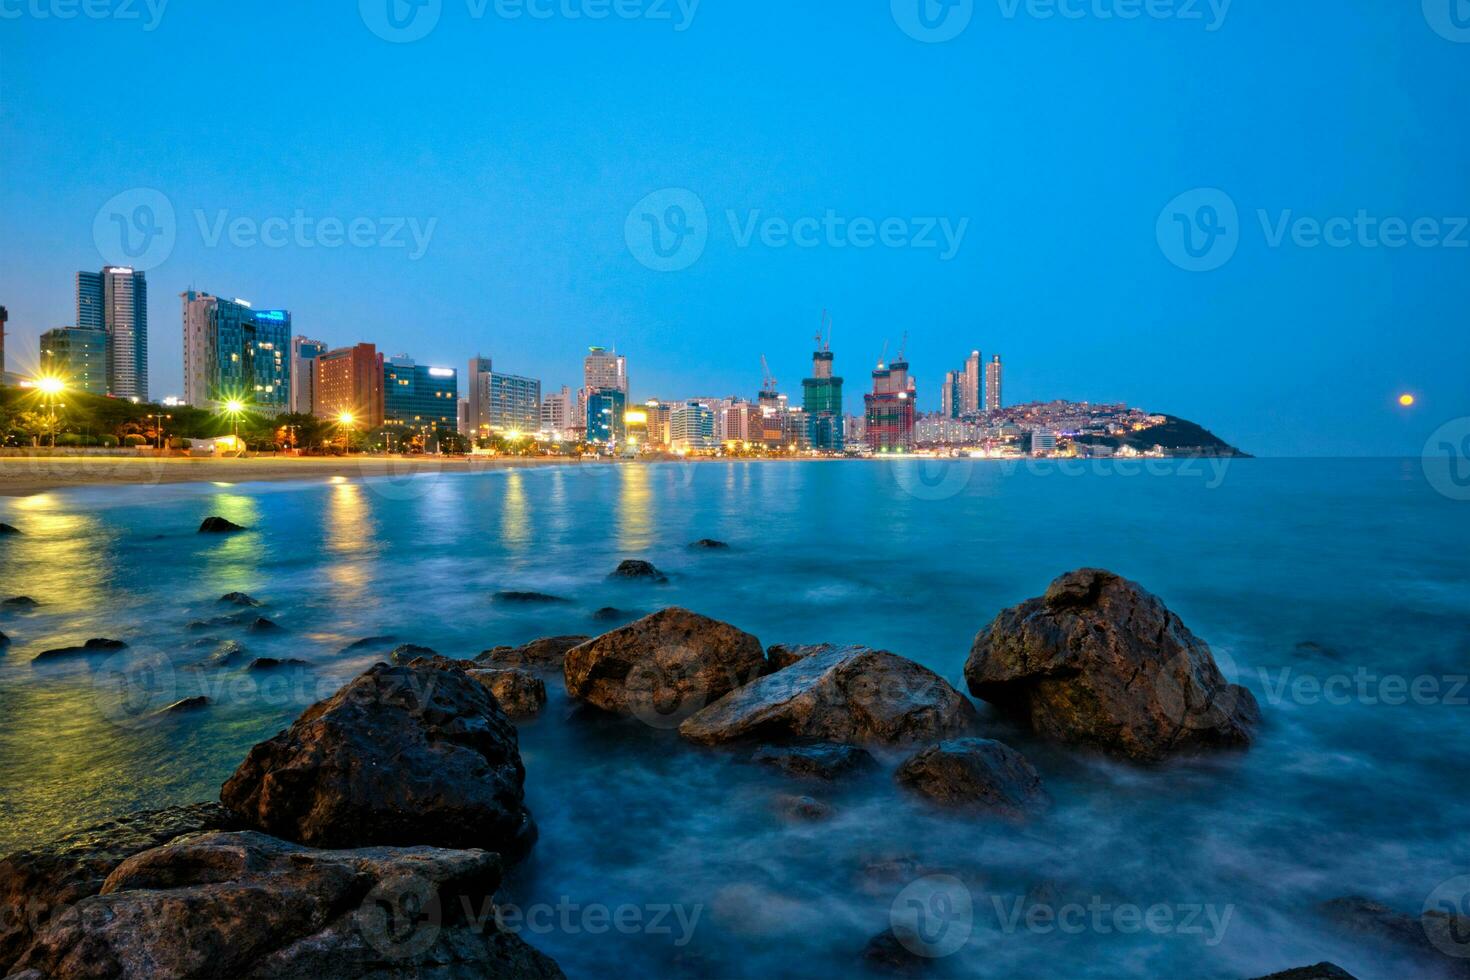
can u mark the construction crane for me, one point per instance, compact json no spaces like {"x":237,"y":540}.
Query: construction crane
{"x":902,"y":347}
{"x":769,"y":382}
{"x":824,"y":346}
{"x":883,"y":360}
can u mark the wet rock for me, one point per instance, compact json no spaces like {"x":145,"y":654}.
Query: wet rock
{"x":782,"y":655}
{"x":409,"y":652}
{"x":975,"y":774}
{"x":1098,"y":661}
{"x":521,"y":693}
{"x":886,"y":953}
{"x":802,"y":808}
{"x":41,"y":883}
{"x":420,"y":754}
{"x":547,"y":653}
{"x":8,"y":529}
{"x":262,"y":625}
{"x":609,"y":614}
{"x":20,"y":602}
{"x":1321,"y":971}
{"x":248,"y":905}
{"x":239,"y":599}
{"x":274,"y":663}
{"x":663,"y":667}
{"x":228,"y":653}
{"x":218,"y":525}
{"x":824,"y":760}
{"x":1436,"y":939}
{"x":709,"y":544}
{"x":634,"y":570}
{"x":4,"y":640}
{"x":185,"y":706}
{"x":96,"y":645}
{"x":851,"y":695}
{"x":369,"y":642}
{"x":527,"y":598}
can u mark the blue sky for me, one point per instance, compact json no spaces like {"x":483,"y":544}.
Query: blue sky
{"x":520,"y":146}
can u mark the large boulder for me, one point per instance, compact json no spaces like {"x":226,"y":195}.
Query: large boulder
{"x":248,"y":905}
{"x":520,"y":693}
{"x":1098,"y":661}
{"x":1320,"y":971}
{"x":218,"y":525}
{"x":547,"y":653}
{"x":822,"y":760}
{"x":852,"y":695}
{"x":663,"y":667}
{"x":1437,"y":939}
{"x":635,"y":570}
{"x":976,"y":774}
{"x":39,"y":884}
{"x":403,"y":755}
{"x":783,"y":655}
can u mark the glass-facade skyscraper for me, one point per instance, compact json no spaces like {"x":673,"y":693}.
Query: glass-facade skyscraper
{"x":232,"y":350}
{"x":605,"y":410}
{"x":420,"y":398}
{"x":116,"y":300}
{"x":78,"y":356}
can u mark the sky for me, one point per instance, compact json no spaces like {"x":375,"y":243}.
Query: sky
{"x":1249,"y":214}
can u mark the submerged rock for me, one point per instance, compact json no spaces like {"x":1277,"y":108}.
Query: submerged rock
{"x":262,"y":625}
{"x":886,"y":953}
{"x":709,"y":544}
{"x":20,"y":602}
{"x":40,"y":883}
{"x":403,"y":755}
{"x":1439,"y":940}
{"x":782,"y":655}
{"x":848,"y":695}
{"x":977,"y":774}
{"x":1098,"y":661}
{"x":96,"y":645}
{"x":824,"y":760}
{"x":239,"y":599}
{"x":663,"y":667}
{"x":218,"y":525}
{"x":4,"y":640}
{"x":275,"y":663}
{"x":248,"y":905}
{"x":185,"y":706}
{"x":409,"y":652}
{"x":225,"y":654}
{"x":1321,"y":971}
{"x":635,"y":570}
{"x":610,"y":614}
{"x":802,"y":808}
{"x":547,"y":653}
{"x":521,"y":694}
{"x":368,"y":642}
{"x":8,"y":529}
{"x":528,"y":598}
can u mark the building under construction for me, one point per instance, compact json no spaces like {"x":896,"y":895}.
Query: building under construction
{"x":821,"y":398}
{"x":889,"y":419}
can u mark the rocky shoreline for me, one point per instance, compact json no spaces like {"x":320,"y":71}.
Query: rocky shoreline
{"x":370,"y":837}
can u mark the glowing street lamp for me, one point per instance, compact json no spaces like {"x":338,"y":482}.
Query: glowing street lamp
{"x":345,"y":421}
{"x":51,"y":388}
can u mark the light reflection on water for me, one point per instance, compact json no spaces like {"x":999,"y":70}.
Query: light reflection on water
{"x":1334,"y":799}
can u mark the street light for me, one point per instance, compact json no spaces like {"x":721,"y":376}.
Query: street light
{"x":158,"y":418}
{"x":345,"y":421}
{"x":51,"y":389}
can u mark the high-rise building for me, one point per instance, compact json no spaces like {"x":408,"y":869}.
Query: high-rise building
{"x":821,"y":403}
{"x":304,"y":353}
{"x":116,"y":300}
{"x":949,"y":395}
{"x":477,"y":393}
{"x":603,"y":370}
{"x":660,"y":422}
{"x":692,"y":427}
{"x":515,"y":403}
{"x":349,"y":380}
{"x":889,"y":422}
{"x":232,"y":350}
{"x":605,"y":411}
{"x":420,"y":399}
{"x":970,"y":385}
{"x":993,"y":394}
{"x":558,"y":413}
{"x":76,"y":355}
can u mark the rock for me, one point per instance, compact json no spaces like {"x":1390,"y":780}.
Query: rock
{"x":886,"y":953}
{"x":96,"y":645}
{"x":824,"y":760}
{"x":521,"y":693}
{"x":977,"y":774}
{"x":248,"y":905}
{"x":663,"y":667}
{"x":1321,"y":971}
{"x":634,"y":570}
{"x":609,"y":614}
{"x":185,"y":706}
{"x":782,"y":655}
{"x":4,"y":640}
{"x":8,"y":529}
{"x":409,"y":652}
{"x":548,"y":653}
{"x":528,"y":598}
{"x":218,"y":525}
{"x":851,"y":695}
{"x":20,"y":602}
{"x":1438,"y":940}
{"x":239,"y":599}
{"x":225,"y":654}
{"x":367,"y":642}
{"x":402,"y":755}
{"x":39,"y":884}
{"x":274,"y":663}
{"x":1098,"y":661}
{"x":262,"y":625}
{"x":709,"y":544}
{"x":802,"y":808}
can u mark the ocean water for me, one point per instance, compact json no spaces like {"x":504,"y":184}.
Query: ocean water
{"x":1337,"y":591}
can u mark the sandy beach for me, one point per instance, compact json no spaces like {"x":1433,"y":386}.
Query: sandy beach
{"x":24,"y":475}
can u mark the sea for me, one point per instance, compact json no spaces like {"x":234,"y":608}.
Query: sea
{"x":1337,"y":591}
